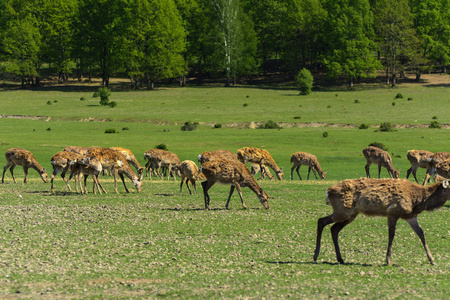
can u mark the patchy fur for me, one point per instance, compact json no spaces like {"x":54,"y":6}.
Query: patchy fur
{"x":417,"y":159}
{"x":381,"y":158}
{"x":259,"y":156}
{"x":21,"y":157}
{"x":303,"y":158}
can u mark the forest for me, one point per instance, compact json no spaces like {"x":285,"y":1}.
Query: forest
{"x":153,"y":40}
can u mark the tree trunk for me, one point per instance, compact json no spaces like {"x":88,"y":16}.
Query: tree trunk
{"x":418,"y":76}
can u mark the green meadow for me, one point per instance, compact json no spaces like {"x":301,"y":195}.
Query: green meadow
{"x":160,"y":244}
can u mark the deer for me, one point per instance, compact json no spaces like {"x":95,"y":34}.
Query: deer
{"x":132,"y":160}
{"x":418,"y":159}
{"x":118,"y":165}
{"x":432,"y":162}
{"x":21,"y":157}
{"x":76,"y":149}
{"x":303,"y":158}
{"x":443,"y":169}
{"x":218,"y":154}
{"x":158,"y":159}
{"x":87,"y":166}
{"x":233,"y":173}
{"x":382,"y":159}
{"x":190,"y":172}
{"x":256,"y":168}
{"x":391,"y":198}
{"x":61,"y":163}
{"x":151,"y":166}
{"x":259,"y":156}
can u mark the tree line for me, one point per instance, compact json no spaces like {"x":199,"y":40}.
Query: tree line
{"x":151,"y":40}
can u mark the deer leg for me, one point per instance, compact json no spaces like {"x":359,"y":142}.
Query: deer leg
{"x":25,"y":171}
{"x":321,"y":223}
{"x":292,"y":172}
{"x":193,"y":185}
{"x":314,"y":172}
{"x":63,"y":176}
{"x":416,"y":227}
{"x":309,"y":171}
{"x":181,"y":185}
{"x":229,"y":196}
{"x":335,"y":229}
{"x":238,"y":188}
{"x":367,"y":169}
{"x":392,"y":222}
{"x":101,"y":186}
{"x":379,"y":171}
{"x":85,"y":180}
{"x":298,"y":173}
{"x":123,"y":180}
{"x":415,"y":175}
{"x":206,"y":186}
{"x":8,"y":164}
{"x":187,"y":184}
{"x":55,"y":172}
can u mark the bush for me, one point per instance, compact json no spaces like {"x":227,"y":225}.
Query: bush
{"x":245,"y":104}
{"x":435,"y":124}
{"x":161,"y":146}
{"x":363,"y":126}
{"x":379,"y":145}
{"x":49,"y":103}
{"x":49,"y":129}
{"x":104,"y":94}
{"x":125,"y":128}
{"x":188,"y":126}
{"x":269,"y":125}
{"x":82,"y":99}
{"x":325,"y":134}
{"x":112,"y":103}
{"x":356,"y":101}
{"x":110,"y":130}
{"x":297,"y":118}
{"x":434,"y":117}
{"x":304,"y":81}
{"x":217,"y":125}
{"x":386,"y":127}
{"x":398,"y":96}
{"x":393,"y":103}
{"x":96,"y":95}
{"x":410,"y":98}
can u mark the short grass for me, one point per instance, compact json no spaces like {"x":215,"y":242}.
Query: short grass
{"x":161,"y":244}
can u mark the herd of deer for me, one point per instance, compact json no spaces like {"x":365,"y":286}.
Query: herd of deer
{"x":394,"y":198}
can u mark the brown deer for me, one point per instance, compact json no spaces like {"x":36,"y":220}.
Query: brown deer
{"x":234,"y":173}
{"x":79,"y":150}
{"x":218,"y":154}
{"x":132,"y":160}
{"x":87,"y":166}
{"x":61,"y":163}
{"x":418,"y":159}
{"x":382,"y":159}
{"x":190,"y":172}
{"x":303,"y":158}
{"x":394,"y":199}
{"x":443,"y":168}
{"x":256,"y":168}
{"x":159,"y":159}
{"x":432,"y":162}
{"x":118,"y":165}
{"x":21,"y":157}
{"x":259,"y":156}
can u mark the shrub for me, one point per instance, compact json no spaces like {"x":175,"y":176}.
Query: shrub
{"x":297,"y":118}
{"x":304,"y":81}
{"x":363,"y":126}
{"x":386,"y":127}
{"x":325,"y":134}
{"x":110,"y":130}
{"x":96,"y":95}
{"x":379,"y":145}
{"x":104,"y":94}
{"x":217,"y":125}
{"x":393,"y":103}
{"x":161,"y":146}
{"x":125,"y":128}
{"x":399,"y":96}
{"x":410,"y":98}
{"x":245,"y":104}
{"x":55,"y":101}
{"x":112,"y":103}
{"x":356,"y":101}
{"x":434,"y":117}
{"x":269,"y":125}
{"x":49,"y":129}
{"x":435,"y":124}
{"x":82,"y":99}
{"x":49,"y":103}
{"x":188,"y":126}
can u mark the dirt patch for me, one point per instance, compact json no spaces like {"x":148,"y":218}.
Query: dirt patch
{"x":45,"y":118}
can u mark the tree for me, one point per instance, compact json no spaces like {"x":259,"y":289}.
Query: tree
{"x":304,"y":81}
{"x":348,"y":35}
{"x":396,"y":35}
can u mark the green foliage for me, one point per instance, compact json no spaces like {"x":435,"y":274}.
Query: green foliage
{"x":162,"y":147}
{"x":82,"y":99}
{"x":379,"y":145}
{"x":189,"y":126}
{"x":111,"y":130}
{"x":363,"y":126}
{"x":435,"y":125}
{"x":399,"y":96}
{"x":325,"y":134}
{"x":304,"y":81}
{"x":245,"y":105}
{"x":49,"y":102}
{"x":356,"y":101}
{"x":297,"y":117}
{"x":270,"y":125}
{"x":104,"y":94}
{"x":386,"y":127}
{"x":217,"y":125}
{"x":112,"y":104}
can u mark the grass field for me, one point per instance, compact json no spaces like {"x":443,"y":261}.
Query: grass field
{"x":159,"y":244}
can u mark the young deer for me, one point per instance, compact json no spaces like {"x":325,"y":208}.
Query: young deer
{"x":87,"y":166}
{"x":61,"y":163}
{"x":234,"y":173}
{"x":432,"y":162}
{"x":303,"y":158}
{"x":394,"y":199}
{"x":382,"y":159}
{"x":418,"y":159}
{"x":21,"y":157}
{"x":158,"y":160}
{"x":256,"y":168}
{"x":132,"y":160}
{"x":259,"y":156}
{"x":190,"y":172}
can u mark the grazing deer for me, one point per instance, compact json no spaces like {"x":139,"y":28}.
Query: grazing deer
{"x":61,"y":163}
{"x":382,"y":159}
{"x":87,"y":166}
{"x":79,"y":150}
{"x":234,"y":173}
{"x":418,"y":159}
{"x":118,"y":165}
{"x":218,"y":154}
{"x":132,"y":160}
{"x":21,"y":157}
{"x":190,"y":172}
{"x":303,"y":158}
{"x":432,"y":162}
{"x":394,"y":199}
{"x":443,"y":168}
{"x":159,"y":159}
{"x":259,"y":156}
{"x":256,"y":168}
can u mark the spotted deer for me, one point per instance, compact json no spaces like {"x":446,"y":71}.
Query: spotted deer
{"x":218,"y":154}
{"x":417,"y":159}
{"x":303,"y":158}
{"x":189,"y":172}
{"x":233,"y":173}
{"x":391,"y":198}
{"x":159,"y":159}
{"x":432,"y":162}
{"x":61,"y":163}
{"x":21,"y":157}
{"x":382,"y":159}
{"x":87,"y":166}
{"x":132,"y":160}
{"x":259,"y":156}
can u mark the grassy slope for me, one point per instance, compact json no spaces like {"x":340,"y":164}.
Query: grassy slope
{"x":159,"y":243}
